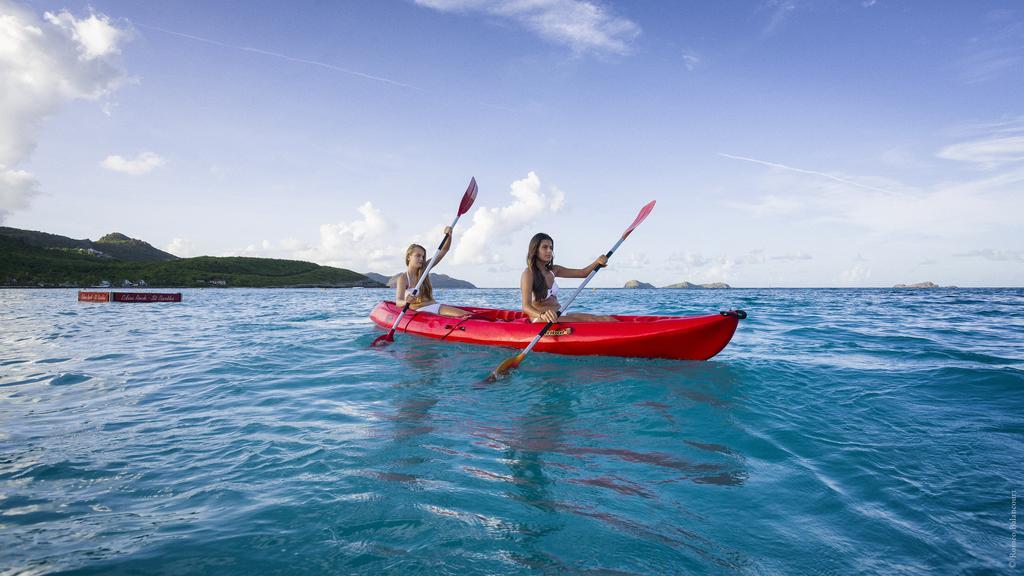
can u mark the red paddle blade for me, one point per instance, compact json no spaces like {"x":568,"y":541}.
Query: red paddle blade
{"x":468,"y":198}
{"x":383,"y":340}
{"x":504,"y":368}
{"x":640,"y":218}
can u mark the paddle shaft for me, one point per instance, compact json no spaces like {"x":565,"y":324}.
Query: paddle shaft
{"x":565,"y":306}
{"x":423,"y":276}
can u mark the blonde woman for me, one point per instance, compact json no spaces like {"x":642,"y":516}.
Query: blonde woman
{"x":416,"y":262}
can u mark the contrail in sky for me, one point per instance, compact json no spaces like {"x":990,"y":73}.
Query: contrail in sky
{"x":283,"y":57}
{"x":802,"y":171}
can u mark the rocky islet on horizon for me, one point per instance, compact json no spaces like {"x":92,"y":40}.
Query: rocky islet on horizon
{"x":919,"y":285}
{"x":636,"y":284}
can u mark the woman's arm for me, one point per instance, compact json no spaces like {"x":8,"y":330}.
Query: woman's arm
{"x":563,"y":272}
{"x":401,"y":285}
{"x":526,"y":291}
{"x":445,"y":247}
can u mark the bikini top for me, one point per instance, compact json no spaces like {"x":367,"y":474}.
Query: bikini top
{"x":409,"y":286}
{"x":553,"y":290}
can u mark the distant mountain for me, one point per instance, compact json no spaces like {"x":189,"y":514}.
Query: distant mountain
{"x":710,"y":285}
{"x":31,"y":259}
{"x":638,"y":284}
{"x":382,"y":279}
{"x":436,"y":280}
{"x":114,"y":245}
{"x":922,"y":285}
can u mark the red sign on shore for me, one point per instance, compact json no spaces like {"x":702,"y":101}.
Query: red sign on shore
{"x":93,"y":296}
{"x":146,"y":296}
{"x":129,"y":296}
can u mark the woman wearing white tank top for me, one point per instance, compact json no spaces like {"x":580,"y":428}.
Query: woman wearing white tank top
{"x":540,"y":289}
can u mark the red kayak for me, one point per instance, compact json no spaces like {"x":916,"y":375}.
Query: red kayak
{"x":674,"y":337}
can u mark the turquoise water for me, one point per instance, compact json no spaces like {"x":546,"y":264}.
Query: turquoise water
{"x":255,"y":431}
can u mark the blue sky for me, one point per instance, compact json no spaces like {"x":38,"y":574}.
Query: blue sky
{"x":788,"y":143}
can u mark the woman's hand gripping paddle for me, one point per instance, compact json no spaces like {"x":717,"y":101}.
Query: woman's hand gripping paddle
{"x":515,"y":361}
{"x":464,"y":206}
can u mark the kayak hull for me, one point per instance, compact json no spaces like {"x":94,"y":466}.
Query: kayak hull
{"x":672,"y":337}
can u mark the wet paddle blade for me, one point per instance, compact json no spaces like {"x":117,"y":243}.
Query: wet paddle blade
{"x":383,"y":340}
{"x":468,"y":198}
{"x":644,"y":212}
{"x":505,"y":367}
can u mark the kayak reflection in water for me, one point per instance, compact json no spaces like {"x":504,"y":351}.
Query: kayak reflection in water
{"x":416,"y":262}
{"x":539,"y":288}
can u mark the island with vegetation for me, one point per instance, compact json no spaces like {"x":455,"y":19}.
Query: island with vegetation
{"x":30,"y":259}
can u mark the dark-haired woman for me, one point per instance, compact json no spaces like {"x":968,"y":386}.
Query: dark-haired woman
{"x":539,"y":288}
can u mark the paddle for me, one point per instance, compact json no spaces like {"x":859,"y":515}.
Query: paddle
{"x":467,"y":202}
{"x":514,"y":361}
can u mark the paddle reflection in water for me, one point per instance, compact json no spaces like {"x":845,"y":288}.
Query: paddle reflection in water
{"x":412,"y":397}
{"x":574,"y":458}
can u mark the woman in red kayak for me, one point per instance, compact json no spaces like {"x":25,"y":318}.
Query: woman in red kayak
{"x":539,"y":288}
{"x":416,"y":262}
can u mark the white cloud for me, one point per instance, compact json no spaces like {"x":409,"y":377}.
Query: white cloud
{"x":141,"y":164}
{"x":264,"y":249}
{"x":17,"y":188}
{"x":996,"y":52}
{"x":363,"y":245}
{"x":686,"y":260}
{"x":373,"y":243}
{"x":582,"y":25}
{"x":182,"y":247}
{"x":691,"y":60}
{"x":293,"y":245}
{"x":696,"y":268}
{"x":372,"y":226}
{"x":44,"y":64}
{"x":94,"y":36}
{"x":947,"y":209}
{"x":633,"y":260}
{"x":856,"y":275}
{"x":779,"y":11}
{"x":984,"y":65}
{"x":988,"y":152}
{"x":491,"y":226}
{"x":721,"y":271}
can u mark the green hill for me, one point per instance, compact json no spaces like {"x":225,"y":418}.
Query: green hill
{"x":66,"y":262}
{"x":114,"y":245}
{"x":124,"y":248}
